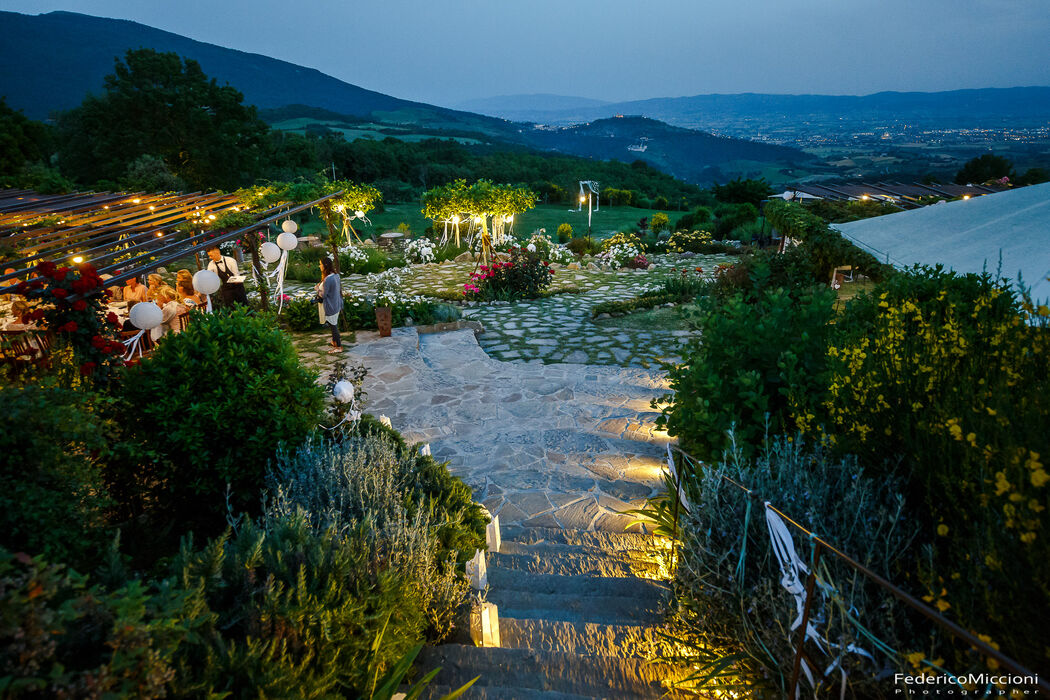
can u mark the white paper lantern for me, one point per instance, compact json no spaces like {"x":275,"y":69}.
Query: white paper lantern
{"x":206,"y":282}
{"x":289,"y":226}
{"x":146,"y":315}
{"x":287,"y":241}
{"x":343,"y":391}
{"x":270,"y":252}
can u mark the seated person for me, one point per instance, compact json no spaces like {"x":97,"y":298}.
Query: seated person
{"x":184,"y":287}
{"x":154,"y":286}
{"x":168,"y":301}
{"x":9,"y":282}
{"x":116,"y":292}
{"x":134,"y":292}
{"x":20,"y":317}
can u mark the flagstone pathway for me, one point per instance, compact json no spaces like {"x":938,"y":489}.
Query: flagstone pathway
{"x":559,"y":328}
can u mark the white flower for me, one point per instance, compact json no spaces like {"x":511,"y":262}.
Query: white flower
{"x":531,"y":247}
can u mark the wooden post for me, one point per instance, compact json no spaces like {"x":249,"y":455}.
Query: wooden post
{"x":810,"y":582}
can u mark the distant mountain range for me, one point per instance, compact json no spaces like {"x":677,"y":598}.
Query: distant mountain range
{"x":1019,"y":105}
{"x":49,"y":62}
{"x":541,"y":102}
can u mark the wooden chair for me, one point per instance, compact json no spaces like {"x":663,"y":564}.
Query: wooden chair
{"x":19,"y":349}
{"x":184,"y":321}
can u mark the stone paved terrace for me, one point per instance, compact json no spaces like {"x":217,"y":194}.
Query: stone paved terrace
{"x":559,"y":328}
{"x":542,"y":445}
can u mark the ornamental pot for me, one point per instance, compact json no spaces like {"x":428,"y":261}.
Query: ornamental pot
{"x":384,"y":319}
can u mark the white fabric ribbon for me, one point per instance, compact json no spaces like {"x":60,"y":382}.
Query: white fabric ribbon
{"x":132,"y":344}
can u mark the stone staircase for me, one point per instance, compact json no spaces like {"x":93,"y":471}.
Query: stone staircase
{"x":558,"y":452}
{"x":579,"y":616}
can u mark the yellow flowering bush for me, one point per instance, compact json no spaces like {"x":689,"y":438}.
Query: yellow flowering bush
{"x":688,"y":241}
{"x":944,"y":379}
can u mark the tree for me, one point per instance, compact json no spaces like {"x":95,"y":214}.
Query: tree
{"x":1034,"y":176}
{"x":163,"y":105}
{"x":740,"y":191}
{"x":984,"y":168}
{"x":22,"y":140}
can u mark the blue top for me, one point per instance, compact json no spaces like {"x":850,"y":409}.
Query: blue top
{"x":332,"y":295}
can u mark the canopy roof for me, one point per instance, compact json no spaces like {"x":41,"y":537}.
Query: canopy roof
{"x":123,"y":234}
{"x":968,"y":236}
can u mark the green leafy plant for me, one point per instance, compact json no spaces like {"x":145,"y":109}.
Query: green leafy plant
{"x":755,"y":361}
{"x":52,"y":497}
{"x":215,"y":401}
{"x":523,"y":276}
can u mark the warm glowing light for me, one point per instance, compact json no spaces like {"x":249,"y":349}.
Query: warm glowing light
{"x":455,"y":219}
{"x":966,"y":196}
{"x":359,"y":214}
{"x":211,"y":217}
{"x":151,"y":207}
{"x":864,"y":197}
{"x":510,"y":219}
{"x":582,"y":199}
{"x":160,"y":234}
{"x":136,"y":201}
{"x":478,"y":219}
{"x":78,"y":259}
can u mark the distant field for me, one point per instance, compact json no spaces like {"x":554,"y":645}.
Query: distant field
{"x":362,"y":131}
{"x":605,"y":222}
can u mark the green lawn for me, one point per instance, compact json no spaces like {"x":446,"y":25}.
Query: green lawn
{"x":605,"y":222}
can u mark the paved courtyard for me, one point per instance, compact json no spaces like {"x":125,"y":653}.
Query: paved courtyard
{"x":559,"y":328}
{"x":550,"y":445}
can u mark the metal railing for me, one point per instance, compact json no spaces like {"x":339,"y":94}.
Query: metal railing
{"x":822,"y":547}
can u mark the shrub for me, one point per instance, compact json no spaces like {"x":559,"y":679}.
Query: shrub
{"x":659,"y":221}
{"x":419,"y":251}
{"x":215,"y":401}
{"x":697,"y":217}
{"x":943,"y":379}
{"x":825,"y":247}
{"x":583,"y":246}
{"x":564,"y":233}
{"x":688,"y":241}
{"x":52,"y":498}
{"x":623,"y":238}
{"x":297,"y":610}
{"x":61,"y":638}
{"x":755,"y":359}
{"x":729,"y":604}
{"x":524,"y":276}
{"x":730,"y":216}
{"x":301,"y":314}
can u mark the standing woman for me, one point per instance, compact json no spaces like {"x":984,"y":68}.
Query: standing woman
{"x":331,"y":298}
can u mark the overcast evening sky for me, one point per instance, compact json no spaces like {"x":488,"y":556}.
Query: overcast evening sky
{"x":447,"y":51}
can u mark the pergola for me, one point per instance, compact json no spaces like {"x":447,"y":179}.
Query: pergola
{"x":121,"y":234}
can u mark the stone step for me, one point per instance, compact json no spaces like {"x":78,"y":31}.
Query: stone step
{"x":491,"y":692}
{"x":606,"y":609}
{"x":548,"y":548}
{"x":547,"y":671}
{"x":570,"y":563}
{"x":606,"y":541}
{"x":582,"y":638}
{"x":503,"y":579}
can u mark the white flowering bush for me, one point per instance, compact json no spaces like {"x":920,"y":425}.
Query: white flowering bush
{"x":621,"y":255}
{"x":419,"y":251}
{"x":386,"y":287}
{"x":353,"y":253}
{"x":551,"y":251}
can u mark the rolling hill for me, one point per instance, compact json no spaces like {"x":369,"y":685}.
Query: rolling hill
{"x":1019,"y":105}
{"x":49,"y":62}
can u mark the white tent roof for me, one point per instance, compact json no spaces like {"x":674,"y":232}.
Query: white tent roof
{"x":968,"y":235}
